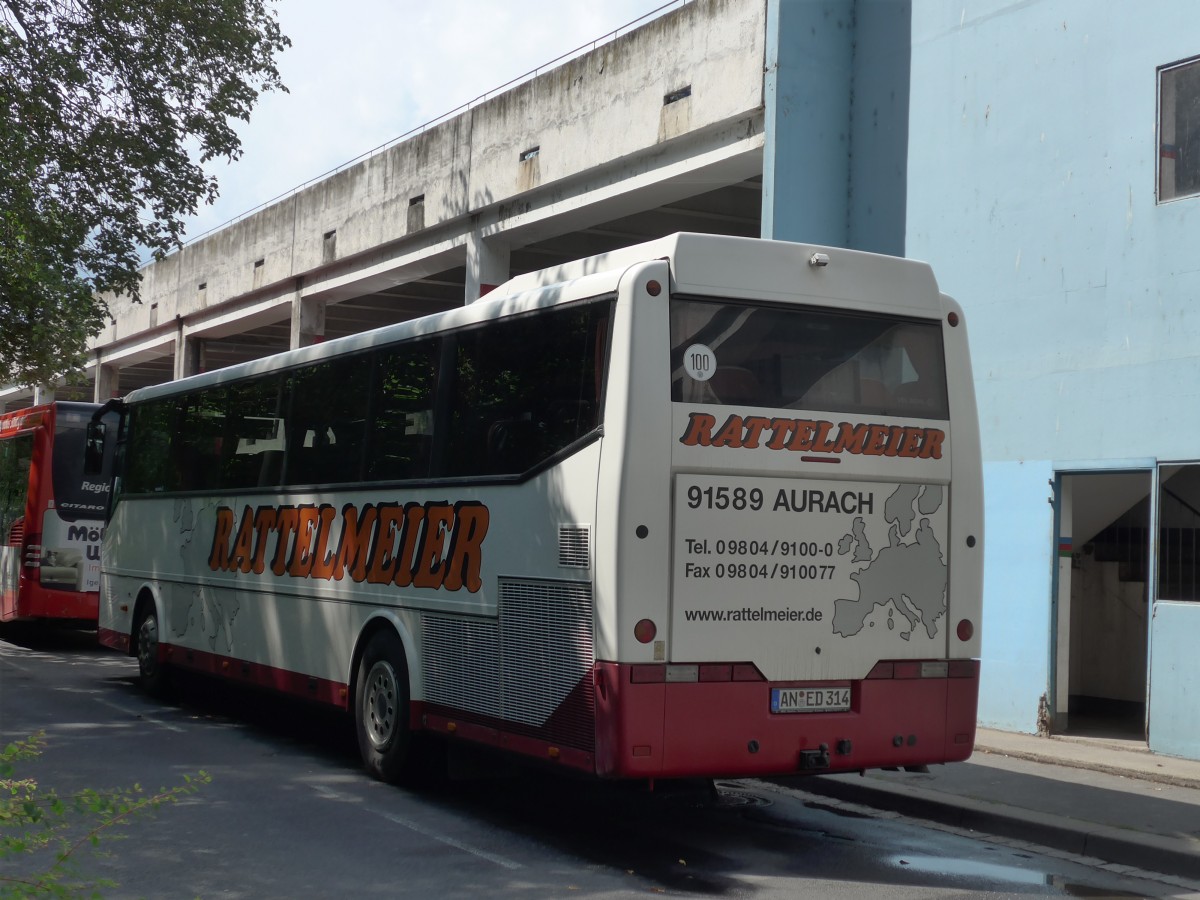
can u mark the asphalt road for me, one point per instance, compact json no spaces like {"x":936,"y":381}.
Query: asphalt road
{"x":289,"y":813}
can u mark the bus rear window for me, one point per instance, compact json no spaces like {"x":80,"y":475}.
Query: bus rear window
{"x":806,"y":358}
{"x":81,"y":482}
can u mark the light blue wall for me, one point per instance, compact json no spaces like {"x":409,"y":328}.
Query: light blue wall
{"x":1031,"y":191}
{"x":1018,"y":543}
{"x":1030,"y":188}
{"x":1175,"y":680}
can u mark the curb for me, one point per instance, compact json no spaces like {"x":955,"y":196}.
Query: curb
{"x":1091,"y":765}
{"x":1152,"y":853}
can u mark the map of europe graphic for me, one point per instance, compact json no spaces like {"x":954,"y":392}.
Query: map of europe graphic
{"x":907,"y":576}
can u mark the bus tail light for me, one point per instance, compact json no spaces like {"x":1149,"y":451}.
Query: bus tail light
{"x":965,"y":630}
{"x":962,"y":668}
{"x":647,"y":674}
{"x":927,"y":668}
{"x":31,"y":558}
{"x":656,"y":673}
{"x":645,"y":631}
{"x":747,"y":672}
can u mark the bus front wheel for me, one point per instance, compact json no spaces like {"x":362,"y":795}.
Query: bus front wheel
{"x":381,"y":707}
{"x":155,"y":678}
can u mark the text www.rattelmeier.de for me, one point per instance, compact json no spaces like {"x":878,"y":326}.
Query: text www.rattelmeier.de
{"x":752,"y":614}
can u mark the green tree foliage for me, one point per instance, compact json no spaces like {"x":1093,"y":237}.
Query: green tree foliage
{"x":42,"y":834}
{"x":108,"y":109}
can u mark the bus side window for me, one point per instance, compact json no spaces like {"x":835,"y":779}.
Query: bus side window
{"x":327,"y":421}
{"x":525,"y":390}
{"x":401,"y":442}
{"x":199,"y":441}
{"x":149,"y":427}
{"x":252,"y":452}
{"x":15,"y":459}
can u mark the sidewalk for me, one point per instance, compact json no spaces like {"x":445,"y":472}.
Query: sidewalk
{"x":1110,"y":800}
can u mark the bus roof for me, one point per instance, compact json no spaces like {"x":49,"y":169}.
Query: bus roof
{"x":32,"y":416}
{"x":723,"y":266}
{"x":703,"y":264}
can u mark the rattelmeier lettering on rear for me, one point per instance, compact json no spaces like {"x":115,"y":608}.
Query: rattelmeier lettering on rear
{"x":813,"y":436}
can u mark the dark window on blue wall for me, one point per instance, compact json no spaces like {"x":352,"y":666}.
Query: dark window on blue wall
{"x":1179,"y":130}
{"x":1179,"y":532}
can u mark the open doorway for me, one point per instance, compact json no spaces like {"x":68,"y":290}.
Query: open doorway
{"x":1102,"y":622}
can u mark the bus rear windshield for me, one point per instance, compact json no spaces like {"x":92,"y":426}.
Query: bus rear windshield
{"x":735,"y":354}
{"x":81,"y":472}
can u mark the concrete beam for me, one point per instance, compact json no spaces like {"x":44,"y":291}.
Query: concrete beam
{"x":487,"y":264}
{"x":308,"y":321}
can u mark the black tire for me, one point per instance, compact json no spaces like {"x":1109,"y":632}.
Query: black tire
{"x":154,"y":674}
{"x":381,"y":708}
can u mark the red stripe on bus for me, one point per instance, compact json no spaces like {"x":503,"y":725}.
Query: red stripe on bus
{"x":109,"y":637}
{"x":298,"y":684}
{"x":459,"y":726}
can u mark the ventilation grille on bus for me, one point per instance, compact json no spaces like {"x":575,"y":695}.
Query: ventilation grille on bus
{"x":462,"y":663}
{"x":574,"y":546}
{"x":546,"y":633}
{"x":531,"y":669}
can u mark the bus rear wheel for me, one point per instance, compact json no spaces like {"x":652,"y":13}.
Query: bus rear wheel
{"x":381,"y":708}
{"x":154,"y":675}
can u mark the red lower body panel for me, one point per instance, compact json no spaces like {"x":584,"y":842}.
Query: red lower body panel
{"x":37,"y":602}
{"x":701,"y":729}
{"x":617,"y":728}
{"x":118,"y":640}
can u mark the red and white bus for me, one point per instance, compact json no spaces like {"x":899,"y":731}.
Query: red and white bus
{"x":54,"y":484}
{"x":705,"y":506}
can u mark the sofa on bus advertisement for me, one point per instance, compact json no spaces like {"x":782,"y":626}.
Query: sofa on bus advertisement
{"x":70,"y":554}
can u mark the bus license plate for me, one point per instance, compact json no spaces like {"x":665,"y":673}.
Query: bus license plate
{"x":803,"y":700}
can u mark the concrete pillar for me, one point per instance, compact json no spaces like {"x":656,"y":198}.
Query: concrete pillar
{"x":43,"y":394}
{"x":879,"y":126}
{"x":108,"y":382}
{"x":308,"y":321}
{"x":487,"y":264}
{"x":806,"y":160}
{"x":836,"y":156}
{"x":189,"y":355}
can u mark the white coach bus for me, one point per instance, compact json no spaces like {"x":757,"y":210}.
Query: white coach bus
{"x":704,"y":506}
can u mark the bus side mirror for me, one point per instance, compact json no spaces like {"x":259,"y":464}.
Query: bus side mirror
{"x":93,"y":453}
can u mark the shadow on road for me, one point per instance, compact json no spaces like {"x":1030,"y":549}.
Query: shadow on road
{"x":49,"y":637}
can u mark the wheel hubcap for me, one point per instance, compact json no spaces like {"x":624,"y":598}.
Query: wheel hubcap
{"x":148,"y":646}
{"x":380,"y":706}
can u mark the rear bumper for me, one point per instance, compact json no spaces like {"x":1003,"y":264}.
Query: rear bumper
{"x":677,"y":730}
{"x":37,"y":602}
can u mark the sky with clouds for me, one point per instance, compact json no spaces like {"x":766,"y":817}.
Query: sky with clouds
{"x":361,"y":73}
